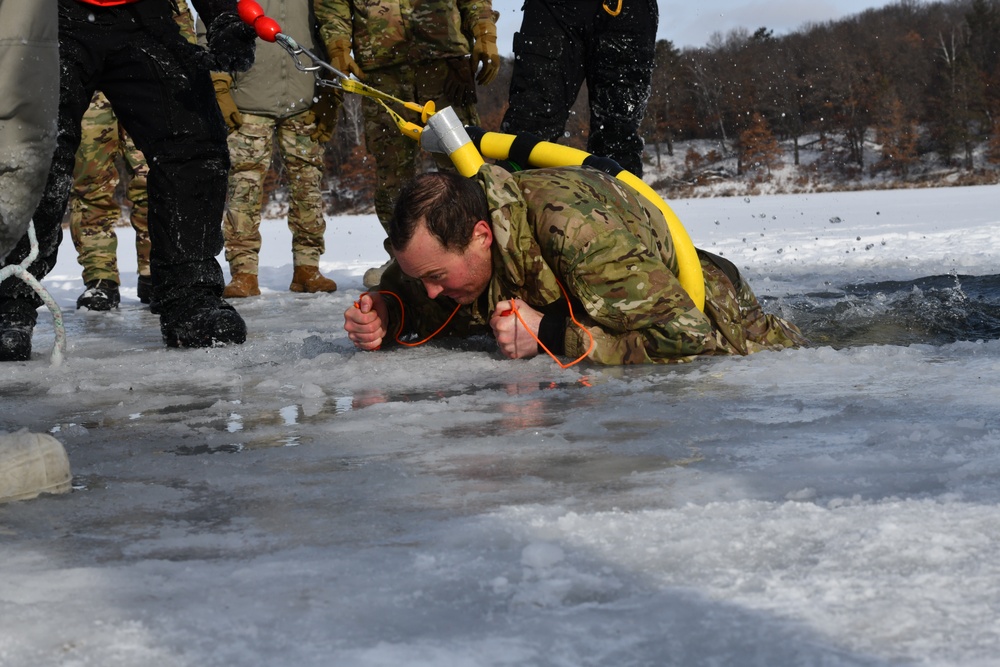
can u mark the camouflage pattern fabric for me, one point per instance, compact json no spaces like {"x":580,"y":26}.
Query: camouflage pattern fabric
{"x":385,"y":33}
{"x":93,"y":208}
{"x":250,"y":148}
{"x":398,"y":158}
{"x":404,"y":49}
{"x":578,"y":229}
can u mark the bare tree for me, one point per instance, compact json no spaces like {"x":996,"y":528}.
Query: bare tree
{"x":659,"y":124}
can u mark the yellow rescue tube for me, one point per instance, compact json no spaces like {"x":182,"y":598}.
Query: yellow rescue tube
{"x":547,"y":154}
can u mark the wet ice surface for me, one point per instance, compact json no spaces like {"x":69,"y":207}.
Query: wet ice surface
{"x":290,"y":501}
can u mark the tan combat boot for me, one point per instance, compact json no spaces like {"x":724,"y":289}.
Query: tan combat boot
{"x":309,"y":279}
{"x":241,"y":286}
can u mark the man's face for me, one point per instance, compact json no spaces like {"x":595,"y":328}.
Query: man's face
{"x":461,"y":275}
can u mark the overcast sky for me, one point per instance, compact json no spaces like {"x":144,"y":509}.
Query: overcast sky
{"x":693,"y":23}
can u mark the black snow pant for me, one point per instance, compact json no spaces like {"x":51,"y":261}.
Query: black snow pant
{"x":134,"y":53}
{"x":560,"y":44}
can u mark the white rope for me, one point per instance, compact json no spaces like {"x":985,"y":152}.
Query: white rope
{"x":21,"y":271}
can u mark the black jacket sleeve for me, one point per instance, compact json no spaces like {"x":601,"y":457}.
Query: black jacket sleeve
{"x":209,"y":9}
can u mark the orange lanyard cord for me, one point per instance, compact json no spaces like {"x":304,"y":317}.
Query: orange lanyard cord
{"x":569,"y":305}
{"x":513,"y":309}
{"x":402,"y":311}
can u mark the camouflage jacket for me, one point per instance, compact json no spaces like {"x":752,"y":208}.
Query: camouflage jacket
{"x":384,"y":33}
{"x":582,"y":231}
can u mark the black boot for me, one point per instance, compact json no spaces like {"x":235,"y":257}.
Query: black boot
{"x":201,"y":320}
{"x":144,"y":290}
{"x":17,"y":321}
{"x":100,"y":294}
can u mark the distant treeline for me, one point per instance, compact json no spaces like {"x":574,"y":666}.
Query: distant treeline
{"x":923,"y":77}
{"x":917,"y":80}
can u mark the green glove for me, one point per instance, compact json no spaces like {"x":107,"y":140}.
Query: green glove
{"x":459,"y":86}
{"x":326,"y":109}
{"x":484,"y":52}
{"x":222,"y":82}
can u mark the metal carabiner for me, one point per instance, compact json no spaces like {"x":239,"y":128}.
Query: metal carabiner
{"x":315,"y":64}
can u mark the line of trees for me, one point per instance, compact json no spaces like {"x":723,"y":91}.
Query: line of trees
{"x":917,"y":80}
{"x":921,"y":78}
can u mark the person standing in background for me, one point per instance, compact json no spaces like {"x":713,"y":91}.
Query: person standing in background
{"x":94,"y":209}
{"x":611,"y":45}
{"x":275,"y":106}
{"x":426,"y":50}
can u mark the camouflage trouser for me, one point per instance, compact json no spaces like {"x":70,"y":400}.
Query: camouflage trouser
{"x":93,"y":209}
{"x":250,"y":149}
{"x":396,"y":155}
{"x":741,"y":324}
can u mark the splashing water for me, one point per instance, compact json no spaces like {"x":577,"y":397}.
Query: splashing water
{"x":933,"y":310}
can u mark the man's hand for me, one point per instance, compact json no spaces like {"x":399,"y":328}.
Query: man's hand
{"x":326,"y":108}
{"x":230,"y":113}
{"x":339,"y":51}
{"x":365,"y":322}
{"x":514,"y":340}
{"x":459,"y":86}
{"x":485,"y":53}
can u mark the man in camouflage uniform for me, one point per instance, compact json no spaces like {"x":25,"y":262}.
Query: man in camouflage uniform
{"x":417,"y":52}
{"x":274,"y":105}
{"x":547,"y":243}
{"x":94,"y":209}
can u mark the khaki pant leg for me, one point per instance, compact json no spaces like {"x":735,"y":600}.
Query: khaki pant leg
{"x":135,"y":163}
{"x":303,"y":158}
{"x":93,"y":209}
{"x":250,"y":150}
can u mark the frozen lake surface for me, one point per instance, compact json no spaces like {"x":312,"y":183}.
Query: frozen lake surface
{"x":294,"y":502}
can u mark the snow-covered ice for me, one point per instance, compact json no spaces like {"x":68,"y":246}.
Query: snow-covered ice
{"x":294,"y":502}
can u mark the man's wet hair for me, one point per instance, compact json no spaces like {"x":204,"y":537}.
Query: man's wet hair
{"x":449,"y":203}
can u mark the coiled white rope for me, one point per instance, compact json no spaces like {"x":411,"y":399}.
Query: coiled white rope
{"x":21,"y":271}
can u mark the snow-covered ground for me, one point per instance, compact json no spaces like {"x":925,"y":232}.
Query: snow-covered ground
{"x":293,"y":502}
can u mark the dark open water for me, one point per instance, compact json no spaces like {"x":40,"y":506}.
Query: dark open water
{"x":934,"y":310}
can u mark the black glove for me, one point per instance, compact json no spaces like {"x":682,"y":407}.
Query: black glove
{"x":459,"y":86}
{"x":231,"y":43}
